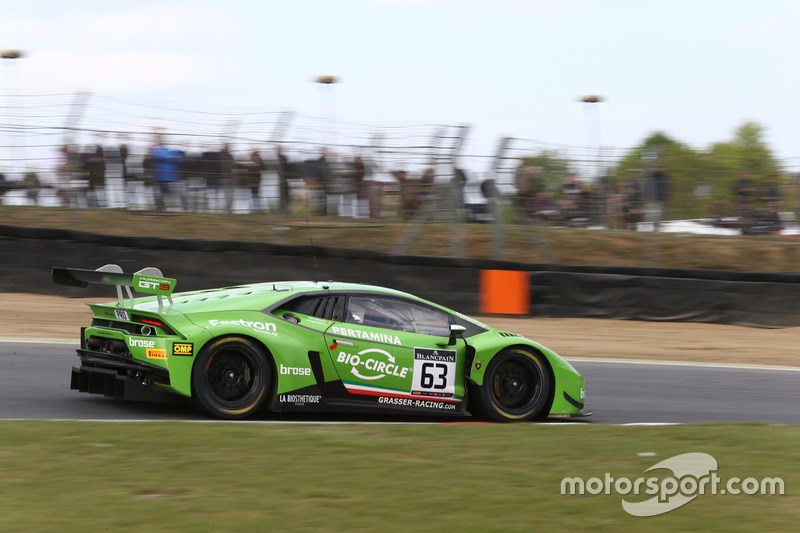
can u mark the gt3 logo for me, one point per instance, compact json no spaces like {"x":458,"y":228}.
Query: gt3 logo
{"x":183,"y":348}
{"x":149,"y":284}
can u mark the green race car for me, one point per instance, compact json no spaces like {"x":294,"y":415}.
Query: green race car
{"x":312,"y":346}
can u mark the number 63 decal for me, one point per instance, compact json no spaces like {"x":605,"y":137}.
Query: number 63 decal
{"x":434,"y":372}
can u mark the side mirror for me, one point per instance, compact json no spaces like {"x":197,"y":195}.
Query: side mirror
{"x":455,"y":331}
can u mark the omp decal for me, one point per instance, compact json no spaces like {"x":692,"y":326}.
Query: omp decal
{"x":183,"y":349}
{"x":377,"y":368}
{"x":156,"y":354}
{"x":367,"y":335}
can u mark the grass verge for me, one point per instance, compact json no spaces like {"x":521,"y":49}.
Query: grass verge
{"x":523,"y":241}
{"x":172,"y":476}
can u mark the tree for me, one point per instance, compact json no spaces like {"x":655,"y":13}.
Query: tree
{"x":555,"y":169}
{"x":701,"y":181}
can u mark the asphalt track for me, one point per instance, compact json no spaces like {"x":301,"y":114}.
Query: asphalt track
{"x":34,"y":384}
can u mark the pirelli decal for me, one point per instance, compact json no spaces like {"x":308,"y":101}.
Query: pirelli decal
{"x":183,"y":348}
{"x":154,"y":353}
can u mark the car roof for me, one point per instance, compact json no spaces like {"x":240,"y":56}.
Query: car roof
{"x":257,"y":295}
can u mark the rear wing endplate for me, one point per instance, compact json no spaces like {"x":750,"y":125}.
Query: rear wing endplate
{"x":148,"y":280}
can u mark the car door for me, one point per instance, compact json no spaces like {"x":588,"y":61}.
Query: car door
{"x":395,"y":352}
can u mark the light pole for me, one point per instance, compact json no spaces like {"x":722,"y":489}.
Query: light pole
{"x":326,"y":80}
{"x":588,"y":101}
{"x":10,"y":54}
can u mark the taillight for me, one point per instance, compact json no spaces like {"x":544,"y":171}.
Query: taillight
{"x":149,"y":321}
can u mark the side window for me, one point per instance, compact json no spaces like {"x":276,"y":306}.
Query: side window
{"x":398,"y":315}
{"x":327,"y":307}
{"x":430,"y":321}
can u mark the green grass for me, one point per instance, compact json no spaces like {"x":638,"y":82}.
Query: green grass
{"x":523,"y":242}
{"x":173,"y":476}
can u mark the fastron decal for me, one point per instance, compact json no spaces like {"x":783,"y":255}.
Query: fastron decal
{"x":262,"y":327}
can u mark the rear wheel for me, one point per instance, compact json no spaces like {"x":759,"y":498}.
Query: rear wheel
{"x":231,"y":377}
{"x":516,"y":386}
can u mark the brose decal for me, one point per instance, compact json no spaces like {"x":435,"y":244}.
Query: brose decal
{"x":183,"y":348}
{"x":141,"y":343}
{"x":294,"y":371}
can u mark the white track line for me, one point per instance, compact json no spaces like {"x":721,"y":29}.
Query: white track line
{"x":683,"y":363}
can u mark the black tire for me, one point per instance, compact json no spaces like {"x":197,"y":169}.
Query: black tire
{"x":231,"y":378}
{"x":516,"y":387}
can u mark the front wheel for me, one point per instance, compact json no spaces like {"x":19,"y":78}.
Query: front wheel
{"x":516,"y":386}
{"x":231,"y":378}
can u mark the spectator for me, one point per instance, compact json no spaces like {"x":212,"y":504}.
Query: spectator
{"x":408,"y":193}
{"x":357,"y":172}
{"x":227,"y":174}
{"x":526,"y":180}
{"x":771,"y":194}
{"x":285,"y":173}
{"x":251,"y":178}
{"x":372,"y":190}
{"x":95,"y":166}
{"x":5,"y":186}
{"x":32,"y":186}
{"x":744,"y":188}
{"x":167,"y":165}
{"x":315,"y":173}
{"x":457,"y":184}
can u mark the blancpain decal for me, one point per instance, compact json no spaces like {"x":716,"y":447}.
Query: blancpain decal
{"x":377,"y":368}
{"x":141,"y":343}
{"x":367,"y":335}
{"x":263,"y":327}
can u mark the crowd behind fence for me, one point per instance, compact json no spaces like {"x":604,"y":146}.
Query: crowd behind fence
{"x":62,"y":150}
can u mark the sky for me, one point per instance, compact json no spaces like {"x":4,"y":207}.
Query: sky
{"x":695,"y":70}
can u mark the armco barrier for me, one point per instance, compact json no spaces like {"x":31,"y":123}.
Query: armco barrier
{"x":752,"y":299}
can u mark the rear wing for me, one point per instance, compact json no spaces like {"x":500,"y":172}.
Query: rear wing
{"x":148,"y":280}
